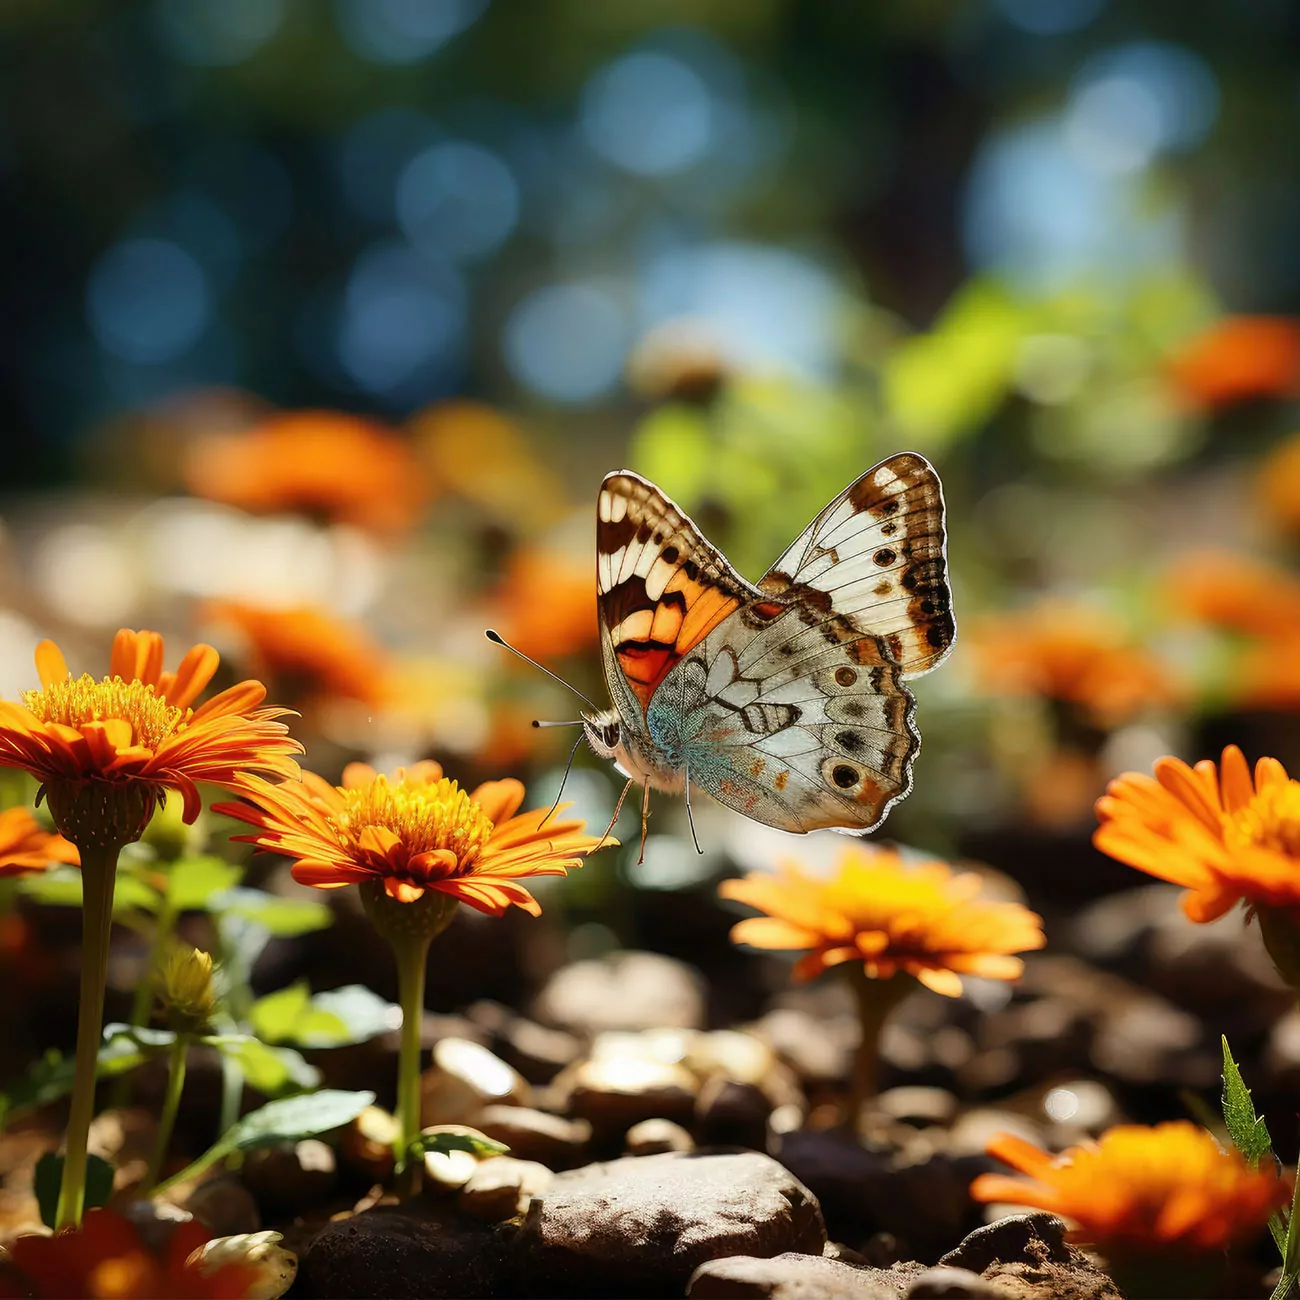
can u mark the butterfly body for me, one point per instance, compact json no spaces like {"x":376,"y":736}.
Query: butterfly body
{"x":783,"y":699}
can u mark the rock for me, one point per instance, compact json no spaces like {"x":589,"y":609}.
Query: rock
{"x":970,"y":1135}
{"x":792,"y":1277}
{"x":1144,"y":1039}
{"x":628,"y":1078}
{"x":225,"y":1205}
{"x":1026,"y":1257}
{"x":919,"y":1106}
{"x":818,"y":1053}
{"x":423,"y":1251}
{"x":733,"y":1114}
{"x":463,"y":1078}
{"x":366,"y":1145}
{"x":502,"y":1186}
{"x":531,"y":1134}
{"x":275,"y":1266}
{"x":642,"y":1226}
{"x":289,"y":1178}
{"x":155,"y":1221}
{"x":653,"y":1137}
{"x":947,"y":1283}
{"x":625,"y":990}
{"x":538,"y":1052}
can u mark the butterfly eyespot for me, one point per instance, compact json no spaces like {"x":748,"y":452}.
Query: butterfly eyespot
{"x":845,"y":676}
{"x":884,"y":556}
{"x":844,"y":776}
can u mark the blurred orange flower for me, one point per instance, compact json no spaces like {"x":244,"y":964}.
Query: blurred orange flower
{"x":1279,"y":483}
{"x":325,"y":464}
{"x":306,"y":653}
{"x":26,"y":846}
{"x":484,"y":457}
{"x":1238,"y":358}
{"x":1141,"y":1190}
{"x":923,"y":920}
{"x":1073,"y":655}
{"x":1236,"y":592}
{"x":1225,"y":837}
{"x":134,"y":734}
{"x":547,"y":604}
{"x":105,"y":1259}
{"x":413,"y":831}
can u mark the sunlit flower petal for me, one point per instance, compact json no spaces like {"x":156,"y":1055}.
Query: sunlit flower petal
{"x":25,"y":846}
{"x":1142,"y":1190}
{"x":923,"y":920}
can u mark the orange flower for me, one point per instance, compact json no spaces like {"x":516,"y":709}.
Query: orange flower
{"x":309,"y":650}
{"x":547,"y":604}
{"x":320,"y":463}
{"x":1238,"y":358}
{"x":25,"y":846}
{"x":106,"y":1259}
{"x":134,"y":733}
{"x":1075,"y":656}
{"x":1279,"y":483}
{"x":1142,"y":1190}
{"x":1225,"y":837}
{"x":413,"y":832}
{"x":924,"y":920}
{"x":1237,"y":593}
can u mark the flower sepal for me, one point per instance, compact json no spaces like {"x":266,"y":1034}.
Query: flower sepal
{"x":422,"y":918}
{"x":92,"y":813}
{"x":1279,"y":927}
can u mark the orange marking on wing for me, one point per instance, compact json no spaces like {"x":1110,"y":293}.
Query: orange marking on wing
{"x":780,"y":780}
{"x":667,"y":624}
{"x":645,"y":667}
{"x":768,"y":608}
{"x":704,"y":613}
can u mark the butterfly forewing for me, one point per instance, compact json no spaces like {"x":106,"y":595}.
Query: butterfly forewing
{"x":661,"y":587}
{"x":874,"y":558}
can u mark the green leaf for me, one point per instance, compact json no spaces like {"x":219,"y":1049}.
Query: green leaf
{"x":361,"y":1011}
{"x":442,"y":1138}
{"x":1283,"y":1288}
{"x":340,"y":1016}
{"x":1247,"y":1130}
{"x":194,"y":883}
{"x":275,"y":1017}
{"x":294,"y":1118}
{"x":61,"y":887}
{"x":1291,"y":1256}
{"x":270,"y":1070}
{"x":284,"y":917}
{"x":49,"y":1175}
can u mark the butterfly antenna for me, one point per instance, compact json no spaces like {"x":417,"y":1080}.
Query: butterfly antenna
{"x":555,"y":677}
{"x":568,"y":767}
{"x":690,"y":816}
{"x":618,"y":808}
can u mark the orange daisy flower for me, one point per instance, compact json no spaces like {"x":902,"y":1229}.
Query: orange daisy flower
{"x":1237,"y":593}
{"x":1223,"y":835}
{"x":1279,"y":483}
{"x":1141,"y":1190}
{"x":309,"y":650}
{"x":1238,"y":358}
{"x":324,"y":464}
{"x":134,"y":734}
{"x":547,"y":604}
{"x":105,"y":1259}
{"x":923,"y":920}
{"x":26,"y":846}
{"x":1076,"y":656}
{"x":412,"y":832}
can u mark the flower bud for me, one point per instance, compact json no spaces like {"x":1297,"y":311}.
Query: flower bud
{"x":184,"y":982}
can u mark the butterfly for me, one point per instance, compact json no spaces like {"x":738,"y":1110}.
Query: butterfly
{"x":785,"y":700}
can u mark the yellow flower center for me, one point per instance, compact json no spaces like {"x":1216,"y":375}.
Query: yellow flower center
{"x":82,"y":699}
{"x":436,"y":815}
{"x":1270,"y":821}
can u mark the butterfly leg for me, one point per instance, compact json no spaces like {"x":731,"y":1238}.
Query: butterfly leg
{"x":618,"y":808}
{"x":690,"y":816}
{"x":559,"y":794}
{"x":645,"y":817}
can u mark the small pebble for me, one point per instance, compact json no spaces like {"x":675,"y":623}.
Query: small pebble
{"x":626,"y":990}
{"x":946,"y":1283}
{"x":653,"y":1137}
{"x":366,"y":1145}
{"x":463,"y":1078}
{"x":225,"y":1205}
{"x":288,"y":1179}
{"x":276,"y":1267}
{"x":502,"y":1187}
{"x":917,"y":1105}
{"x":551,"y":1140}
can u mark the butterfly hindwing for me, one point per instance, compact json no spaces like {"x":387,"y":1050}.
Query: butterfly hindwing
{"x":661,"y":587}
{"x":788,"y":727}
{"x":874,"y":562}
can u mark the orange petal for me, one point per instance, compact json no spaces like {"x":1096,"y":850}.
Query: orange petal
{"x":500,"y":800}
{"x":1019,"y":1154}
{"x":769,"y":932}
{"x":357,"y":776}
{"x":196,"y":671}
{"x":50,"y":664}
{"x":401,"y":890}
{"x":1014,"y":1191}
{"x":1238,"y":790}
{"x":946,"y":982}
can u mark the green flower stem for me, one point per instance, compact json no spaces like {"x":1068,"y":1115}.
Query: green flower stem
{"x":876,"y":999}
{"x":98,"y":877}
{"x":412,"y":954}
{"x":142,"y":1001}
{"x":171,"y":1104}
